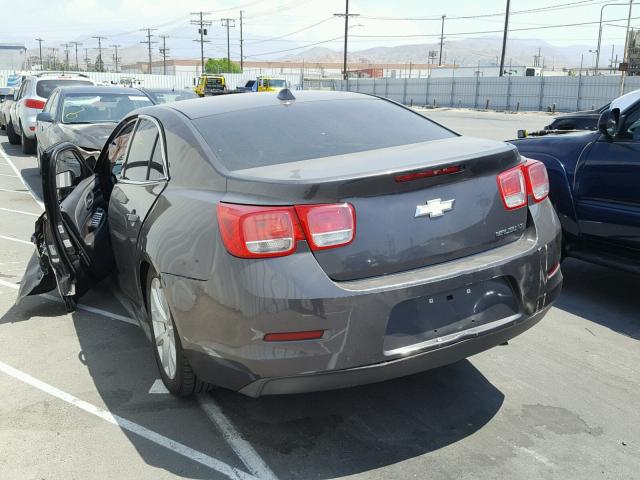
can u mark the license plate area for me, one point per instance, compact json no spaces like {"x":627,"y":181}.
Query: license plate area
{"x":430,"y":317}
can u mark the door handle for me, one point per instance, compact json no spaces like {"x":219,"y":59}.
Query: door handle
{"x":132,"y":218}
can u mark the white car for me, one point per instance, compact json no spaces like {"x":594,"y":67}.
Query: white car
{"x":5,"y":105}
{"x":29,"y":101}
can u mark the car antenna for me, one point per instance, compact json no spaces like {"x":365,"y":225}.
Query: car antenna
{"x":286,"y":97}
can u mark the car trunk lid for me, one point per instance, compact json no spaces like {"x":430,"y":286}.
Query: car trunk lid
{"x":453,"y":210}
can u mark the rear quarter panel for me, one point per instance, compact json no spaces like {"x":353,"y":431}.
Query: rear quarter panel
{"x":181,"y":231}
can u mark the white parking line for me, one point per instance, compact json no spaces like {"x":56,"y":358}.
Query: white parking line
{"x":128,"y":425}
{"x":7,"y":175}
{"x":158,"y":387}
{"x":16,"y":240}
{"x":251,"y":459}
{"x":4,"y":155}
{"x":22,"y":212}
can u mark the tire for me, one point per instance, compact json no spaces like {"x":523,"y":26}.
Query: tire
{"x":14,"y":139}
{"x":28,"y":144}
{"x":179,"y":380}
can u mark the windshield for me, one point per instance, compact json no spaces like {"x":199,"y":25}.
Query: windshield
{"x":305,"y":130}
{"x":45,"y":87}
{"x":104,"y":108}
{"x":165,"y":97}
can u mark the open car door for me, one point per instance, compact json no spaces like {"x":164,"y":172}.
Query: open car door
{"x":73,"y":248}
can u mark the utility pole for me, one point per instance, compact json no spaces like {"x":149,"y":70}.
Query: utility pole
{"x":346,"y":16}
{"x":149,"y":42}
{"x":66,"y":55}
{"x":202,"y":23}
{"x":86,"y":58}
{"x":536,"y":59}
{"x":115,"y":58}
{"x":241,"y":45}
{"x":163,"y":51}
{"x":100,"y":62}
{"x":40,"y":40}
{"x":504,"y":37}
{"x":76,"y":45}
{"x":228,"y":22}
{"x":441,"y":40}
{"x":625,"y":54}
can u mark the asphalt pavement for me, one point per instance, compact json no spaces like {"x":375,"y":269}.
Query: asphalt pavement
{"x":81,"y":398}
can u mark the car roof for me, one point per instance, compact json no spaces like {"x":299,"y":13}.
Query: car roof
{"x":204,"y":107}
{"x":97,"y":90}
{"x":626,"y":101}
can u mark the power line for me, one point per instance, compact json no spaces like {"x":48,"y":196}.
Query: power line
{"x":149,"y":42}
{"x":202,"y":21}
{"x":582,"y":3}
{"x":294,"y":32}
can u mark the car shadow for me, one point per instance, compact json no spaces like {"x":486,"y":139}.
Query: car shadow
{"x":317,"y":435}
{"x":602,"y":295}
{"x":344,"y":432}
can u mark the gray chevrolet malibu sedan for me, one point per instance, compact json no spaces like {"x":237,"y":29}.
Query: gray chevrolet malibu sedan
{"x":292,"y":242}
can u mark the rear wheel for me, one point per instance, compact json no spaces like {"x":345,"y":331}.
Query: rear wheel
{"x":14,"y":139}
{"x":175,"y":370}
{"x":28,"y":144}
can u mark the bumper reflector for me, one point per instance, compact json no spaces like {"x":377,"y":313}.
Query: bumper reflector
{"x":292,"y":336}
{"x":553,"y":270}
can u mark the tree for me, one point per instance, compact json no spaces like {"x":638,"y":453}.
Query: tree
{"x":221,"y":65}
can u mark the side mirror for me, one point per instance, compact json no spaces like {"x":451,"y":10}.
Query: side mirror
{"x":44,"y":117}
{"x":65,"y":179}
{"x":608,"y":122}
{"x":9,"y":97}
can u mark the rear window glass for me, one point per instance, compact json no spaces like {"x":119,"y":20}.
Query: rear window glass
{"x":282,"y":134}
{"x":45,"y":87}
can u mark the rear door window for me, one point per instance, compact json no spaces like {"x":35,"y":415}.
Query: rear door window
{"x":143,"y":144}
{"x":282,"y":134}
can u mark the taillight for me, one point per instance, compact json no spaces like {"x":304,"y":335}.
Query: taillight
{"x":529,"y":178}
{"x":513,"y":188}
{"x":537,"y":179}
{"x":327,"y":226}
{"x":250,"y":231}
{"x":255,"y":232}
{"x":33,"y":103}
{"x":407,"y":177}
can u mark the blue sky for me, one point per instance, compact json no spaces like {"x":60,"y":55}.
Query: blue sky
{"x":68,"y":20}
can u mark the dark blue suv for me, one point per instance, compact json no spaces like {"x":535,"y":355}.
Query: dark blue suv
{"x":595,"y":184}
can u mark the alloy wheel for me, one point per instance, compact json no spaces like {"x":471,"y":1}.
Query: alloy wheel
{"x":163,"y":329}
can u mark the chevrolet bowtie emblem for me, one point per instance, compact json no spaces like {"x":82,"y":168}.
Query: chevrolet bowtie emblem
{"x":434,"y":208}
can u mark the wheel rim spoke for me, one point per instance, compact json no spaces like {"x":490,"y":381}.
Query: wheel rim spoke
{"x":163,"y":331}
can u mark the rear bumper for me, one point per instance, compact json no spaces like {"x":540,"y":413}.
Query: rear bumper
{"x":222,"y":321}
{"x":379,"y":372}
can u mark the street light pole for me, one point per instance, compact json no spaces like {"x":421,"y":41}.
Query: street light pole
{"x":625,"y":54}
{"x":600,"y":30}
